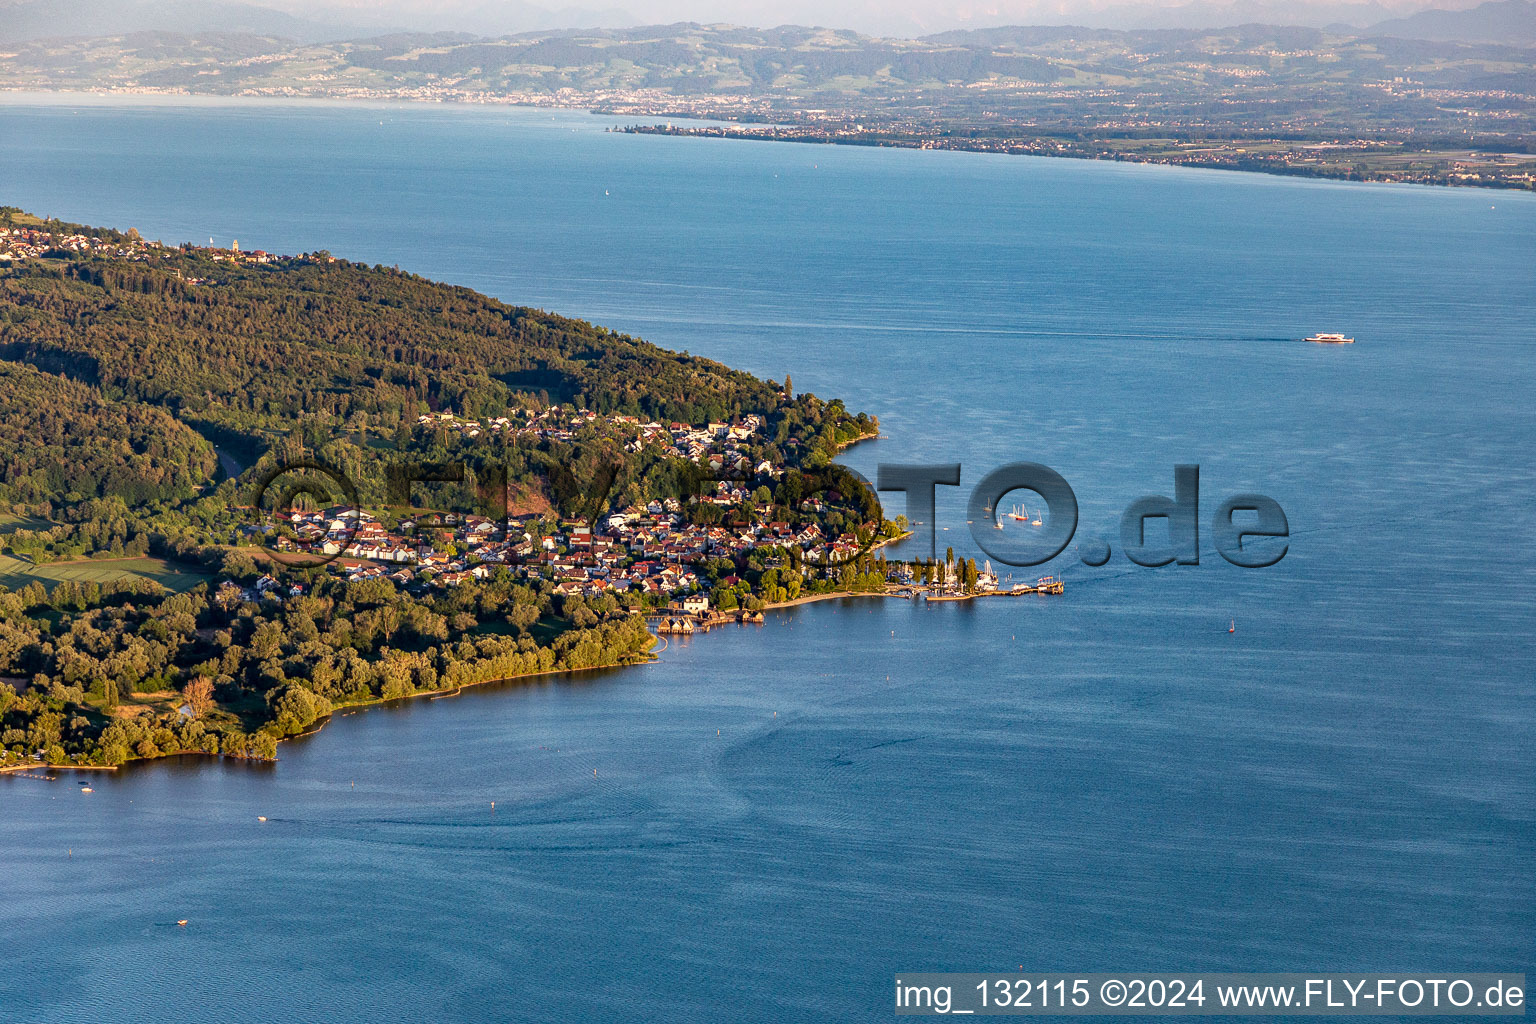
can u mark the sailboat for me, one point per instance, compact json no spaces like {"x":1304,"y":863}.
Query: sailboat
{"x":1022,"y":515}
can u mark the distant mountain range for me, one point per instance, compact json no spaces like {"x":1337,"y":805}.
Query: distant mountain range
{"x":505,"y":17}
{"x":1509,"y":22}
{"x":1505,"y":22}
{"x":1263,"y":64}
{"x":1203,"y":14}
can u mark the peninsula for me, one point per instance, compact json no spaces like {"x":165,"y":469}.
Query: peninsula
{"x":243,"y":490}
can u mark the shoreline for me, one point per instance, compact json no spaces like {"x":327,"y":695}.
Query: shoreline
{"x":961,"y":146}
{"x":341,"y":710}
{"x":651,"y":656}
{"x":729,"y":129}
{"x":814,"y":598}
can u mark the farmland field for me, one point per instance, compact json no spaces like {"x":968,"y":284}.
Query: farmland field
{"x":11,"y":523}
{"x":16,"y":573}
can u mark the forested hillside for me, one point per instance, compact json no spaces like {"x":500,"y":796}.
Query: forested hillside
{"x":252,"y":347}
{"x":309,"y":351}
{"x":62,"y":441}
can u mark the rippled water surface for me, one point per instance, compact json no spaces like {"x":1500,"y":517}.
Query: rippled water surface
{"x":772,"y":821}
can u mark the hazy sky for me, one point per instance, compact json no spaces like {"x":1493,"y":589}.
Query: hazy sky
{"x":889,"y":17}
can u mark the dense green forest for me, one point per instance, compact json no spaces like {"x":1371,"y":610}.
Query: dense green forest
{"x":61,"y":440}
{"x":253,"y":347}
{"x":210,"y":673}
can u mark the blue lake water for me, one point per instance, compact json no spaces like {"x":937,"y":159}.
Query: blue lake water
{"x":783,"y":817}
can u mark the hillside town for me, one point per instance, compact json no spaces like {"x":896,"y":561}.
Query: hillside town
{"x":648,"y":556}
{"x":35,"y":240}
{"x":720,"y":447}
{"x":646,"y":550}
{"x":19,"y":243}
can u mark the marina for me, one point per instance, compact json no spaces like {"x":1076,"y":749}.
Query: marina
{"x":1044,"y":586}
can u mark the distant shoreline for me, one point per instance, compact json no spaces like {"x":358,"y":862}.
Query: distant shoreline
{"x":1046,"y":147}
{"x":703,"y":125}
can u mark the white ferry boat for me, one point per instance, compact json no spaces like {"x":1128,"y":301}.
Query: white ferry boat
{"x":1331,"y":339}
